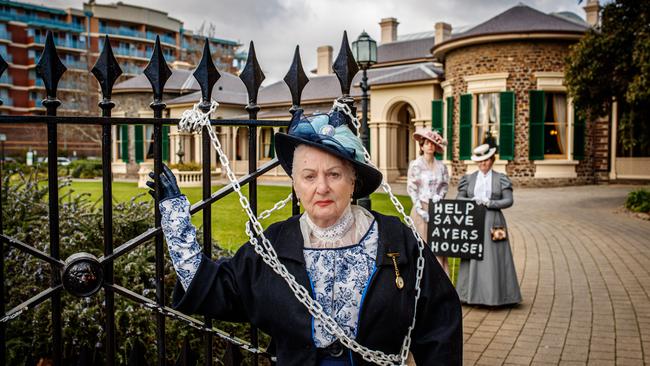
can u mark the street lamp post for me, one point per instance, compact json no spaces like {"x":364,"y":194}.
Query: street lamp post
{"x":365,"y":53}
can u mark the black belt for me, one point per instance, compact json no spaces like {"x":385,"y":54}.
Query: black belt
{"x":335,"y":350}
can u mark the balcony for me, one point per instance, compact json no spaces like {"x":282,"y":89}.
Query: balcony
{"x":6,"y":79}
{"x":163,"y":37}
{"x":121,"y":31}
{"x":76,"y":64}
{"x":61,"y":42}
{"x":34,"y":20}
{"x":63,"y":84}
{"x":120,"y":51}
{"x":4,"y":34}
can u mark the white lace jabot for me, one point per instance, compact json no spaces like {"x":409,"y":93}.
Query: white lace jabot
{"x":348,"y":229}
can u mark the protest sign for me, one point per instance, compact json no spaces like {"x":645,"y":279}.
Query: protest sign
{"x":456,"y":229}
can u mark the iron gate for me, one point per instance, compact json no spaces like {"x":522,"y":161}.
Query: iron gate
{"x":98,"y":273}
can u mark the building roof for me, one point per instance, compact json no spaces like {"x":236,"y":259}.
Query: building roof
{"x":318,"y":88}
{"x":327,"y":87}
{"x":404,"y":74}
{"x":175,"y":84}
{"x":517,"y":22}
{"x":571,"y":16}
{"x":228,"y":89}
{"x":408,"y":49}
{"x":522,"y":19}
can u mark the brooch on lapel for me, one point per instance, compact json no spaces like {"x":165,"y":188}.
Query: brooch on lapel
{"x":399,"y":281}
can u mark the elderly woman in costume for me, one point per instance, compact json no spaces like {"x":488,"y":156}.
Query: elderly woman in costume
{"x":493,"y":280}
{"x":359,"y":265}
{"x":428,"y":179}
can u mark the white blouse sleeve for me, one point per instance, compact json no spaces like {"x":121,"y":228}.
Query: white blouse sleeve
{"x":413,"y":181}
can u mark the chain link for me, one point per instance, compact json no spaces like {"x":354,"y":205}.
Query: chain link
{"x":194,"y":120}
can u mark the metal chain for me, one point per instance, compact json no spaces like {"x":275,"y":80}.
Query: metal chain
{"x":13,"y":315}
{"x":266,"y":214}
{"x":153,"y":307}
{"x":407,"y":219}
{"x":194,"y":120}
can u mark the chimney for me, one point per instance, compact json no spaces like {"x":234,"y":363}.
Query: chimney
{"x":443,"y":32}
{"x":324,"y":60}
{"x":592,"y":12}
{"x":388,"y":30}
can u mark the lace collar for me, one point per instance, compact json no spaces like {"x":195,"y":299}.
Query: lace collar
{"x":334,"y":233}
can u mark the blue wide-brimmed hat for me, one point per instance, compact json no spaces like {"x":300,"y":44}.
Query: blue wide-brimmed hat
{"x":331,"y":133}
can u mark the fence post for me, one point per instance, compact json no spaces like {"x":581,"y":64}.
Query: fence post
{"x":50,"y":69}
{"x":106,"y":71}
{"x":3,"y":67}
{"x":296,"y":80}
{"x":206,"y":75}
{"x":158,"y":72}
{"x":252,"y":76}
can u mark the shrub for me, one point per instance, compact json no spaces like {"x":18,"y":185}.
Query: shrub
{"x":85,"y":169}
{"x":25,"y":217}
{"x":638,"y":201}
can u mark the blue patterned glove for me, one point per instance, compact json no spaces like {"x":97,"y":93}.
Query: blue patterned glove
{"x":184,"y":250}
{"x":168,"y":184}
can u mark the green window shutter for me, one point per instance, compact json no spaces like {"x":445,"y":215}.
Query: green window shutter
{"x":507,"y":125}
{"x":436,"y":115}
{"x":436,"y":119}
{"x":125,"y":143}
{"x":165,"y":143}
{"x":139,"y":144}
{"x":537,"y":109}
{"x":578,"y":137}
{"x":450,"y":124}
{"x":465,"y":142}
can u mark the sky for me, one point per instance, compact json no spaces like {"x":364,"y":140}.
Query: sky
{"x":277,"y":26}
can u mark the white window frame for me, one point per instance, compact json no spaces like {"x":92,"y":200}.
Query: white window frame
{"x":563,"y":167}
{"x":480,"y":84}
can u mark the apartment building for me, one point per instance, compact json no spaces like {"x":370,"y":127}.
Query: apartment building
{"x":79,"y":35}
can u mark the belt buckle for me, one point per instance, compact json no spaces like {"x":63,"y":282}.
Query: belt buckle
{"x":335,"y":349}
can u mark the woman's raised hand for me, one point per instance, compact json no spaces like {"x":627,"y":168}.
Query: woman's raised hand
{"x":167,"y":182}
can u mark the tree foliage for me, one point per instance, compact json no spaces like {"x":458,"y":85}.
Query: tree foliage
{"x":612,"y":63}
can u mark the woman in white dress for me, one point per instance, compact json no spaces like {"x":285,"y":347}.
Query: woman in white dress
{"x":428,"y":179}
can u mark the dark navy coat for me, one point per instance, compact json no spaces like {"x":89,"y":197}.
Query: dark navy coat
{"x":245,"y":289}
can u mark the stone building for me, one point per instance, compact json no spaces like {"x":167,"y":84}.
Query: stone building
{"x":504,"y":84}
{"x":501,"y":81}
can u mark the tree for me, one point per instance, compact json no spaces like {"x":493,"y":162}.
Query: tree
{"x":612,"y":64}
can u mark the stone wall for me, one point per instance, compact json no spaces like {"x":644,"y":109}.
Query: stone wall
{"x":521,"y":59}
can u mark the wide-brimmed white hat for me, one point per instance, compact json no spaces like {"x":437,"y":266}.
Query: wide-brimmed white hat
{"x":483,"y":152}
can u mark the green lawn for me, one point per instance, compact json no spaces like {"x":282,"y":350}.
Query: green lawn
{"x":228,"y":218}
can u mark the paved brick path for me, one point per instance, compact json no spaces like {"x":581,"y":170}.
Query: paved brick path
{"x":584,"y":273}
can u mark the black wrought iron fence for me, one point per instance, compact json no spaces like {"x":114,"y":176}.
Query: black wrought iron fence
{"x":84,"y":275}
